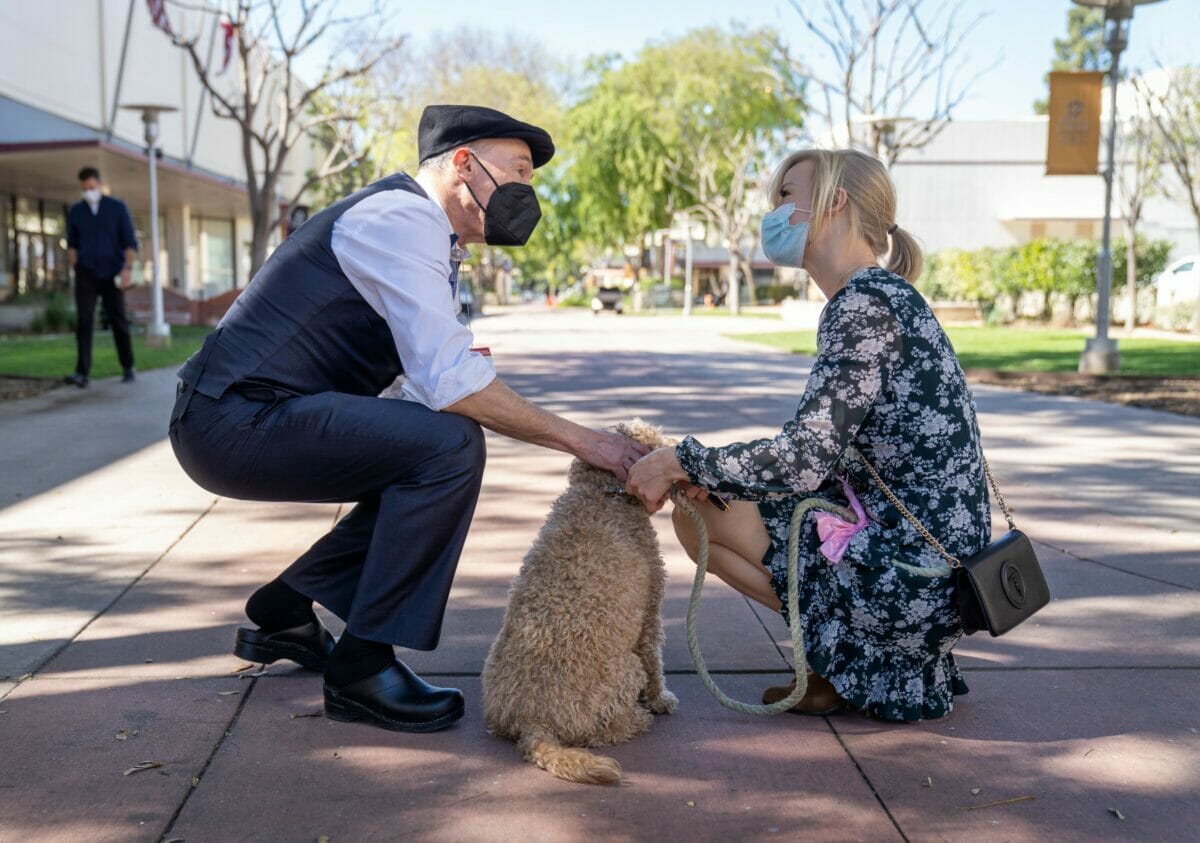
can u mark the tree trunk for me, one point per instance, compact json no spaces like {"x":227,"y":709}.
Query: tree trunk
{"x":1131,"y":282}
{"x":1047,"y":306}
{"x":260,"y":235}
{"x":751,"y":285}
{"x":734,"y":297}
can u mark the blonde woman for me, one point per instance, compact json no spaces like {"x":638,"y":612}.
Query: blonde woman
{"x":879,"y":618}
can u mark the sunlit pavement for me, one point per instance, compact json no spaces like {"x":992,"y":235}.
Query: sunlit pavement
{"x":121,"y":583}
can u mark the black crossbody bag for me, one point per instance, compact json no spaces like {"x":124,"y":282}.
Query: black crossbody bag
{"x":996,"y":588}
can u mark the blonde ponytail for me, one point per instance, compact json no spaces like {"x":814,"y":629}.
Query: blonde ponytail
{"x":904,"y":256}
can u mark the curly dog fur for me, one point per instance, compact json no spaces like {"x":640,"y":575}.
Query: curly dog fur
{"x":578,"y":661}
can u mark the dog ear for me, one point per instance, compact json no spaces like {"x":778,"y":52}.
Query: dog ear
{"x":581,"y":472}
{"x":642,"y":431}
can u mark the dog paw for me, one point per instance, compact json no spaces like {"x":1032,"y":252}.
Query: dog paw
{"x":664,"y":704}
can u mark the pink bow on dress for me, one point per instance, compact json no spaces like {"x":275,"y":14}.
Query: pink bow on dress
{"x":835,"y":534}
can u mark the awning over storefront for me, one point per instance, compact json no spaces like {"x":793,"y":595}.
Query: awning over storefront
{"x":48,"y":170}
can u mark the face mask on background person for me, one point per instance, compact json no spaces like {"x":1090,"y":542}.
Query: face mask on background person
{"x":782,"y":242}
{"x":511,"y":214}
{"x":92,"y":196}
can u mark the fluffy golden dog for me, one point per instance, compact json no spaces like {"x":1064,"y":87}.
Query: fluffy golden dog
{"x":578,"y":661}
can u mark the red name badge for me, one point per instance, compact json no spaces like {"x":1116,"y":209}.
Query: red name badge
{"x":481,"y":349}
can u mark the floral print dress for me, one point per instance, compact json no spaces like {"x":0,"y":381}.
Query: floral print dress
{"x":879,"y":624}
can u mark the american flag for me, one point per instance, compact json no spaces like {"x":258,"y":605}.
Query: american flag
{"x":158,"y":15}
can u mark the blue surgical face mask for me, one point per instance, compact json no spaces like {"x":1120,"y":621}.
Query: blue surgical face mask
{"x":782,"y":242}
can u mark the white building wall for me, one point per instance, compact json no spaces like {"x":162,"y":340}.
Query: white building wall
{"x":983,"y":183}
{"x":63,"y":57}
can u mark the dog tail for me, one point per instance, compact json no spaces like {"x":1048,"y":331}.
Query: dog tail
{"x":570,"y":763}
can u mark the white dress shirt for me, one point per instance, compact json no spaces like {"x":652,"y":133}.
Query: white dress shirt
{"x":394,"y":247}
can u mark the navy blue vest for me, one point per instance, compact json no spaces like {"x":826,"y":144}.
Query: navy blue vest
{"x":300,"y":324}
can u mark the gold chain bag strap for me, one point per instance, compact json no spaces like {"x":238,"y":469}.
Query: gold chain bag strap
{"x":998,"y":587}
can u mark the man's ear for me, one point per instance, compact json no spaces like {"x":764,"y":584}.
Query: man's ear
{"x":463,"y":163}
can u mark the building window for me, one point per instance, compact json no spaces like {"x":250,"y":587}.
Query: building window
{"x":216,"y":257}
{"x":34,"y":248}
{"x":143,"y":271}
{"x":8,"y":268}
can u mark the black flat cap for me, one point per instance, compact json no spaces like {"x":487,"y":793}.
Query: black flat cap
{"x":446,"y":127}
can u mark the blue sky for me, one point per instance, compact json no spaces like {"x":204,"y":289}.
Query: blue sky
{"x":1017,"y":33}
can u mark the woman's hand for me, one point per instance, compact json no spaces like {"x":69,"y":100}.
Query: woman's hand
{"x":651,"y":478}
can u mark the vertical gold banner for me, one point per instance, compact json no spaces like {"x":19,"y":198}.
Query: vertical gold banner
{"x":1073,"y":143}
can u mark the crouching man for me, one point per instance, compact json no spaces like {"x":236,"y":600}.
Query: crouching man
{"x":280,"y":405}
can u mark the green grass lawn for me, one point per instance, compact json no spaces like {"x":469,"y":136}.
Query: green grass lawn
{"x":53,"y":355}
{"x":1031,"y":350}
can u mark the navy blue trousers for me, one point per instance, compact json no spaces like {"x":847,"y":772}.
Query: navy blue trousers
{"x":413,"y":474}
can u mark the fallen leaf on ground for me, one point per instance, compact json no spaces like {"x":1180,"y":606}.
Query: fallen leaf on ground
{"x":195,"y":781}
{"x":691,"y":804}
{"x":309,"y":714}
{"x":24,"y":676}
{"x":121,"y":735}
{"x":975,"y":791}
{"x":997,"y":802}
{"x":145,"y":765}
{"x":226,"y":693}
{"x":324,"y":838}
{"x":928,"y":782}
{"x":1116,"y":813}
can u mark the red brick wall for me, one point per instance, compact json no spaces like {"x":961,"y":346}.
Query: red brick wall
{"x":178,"y":309}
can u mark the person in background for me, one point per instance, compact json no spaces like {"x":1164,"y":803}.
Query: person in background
{"x":101,"y":245}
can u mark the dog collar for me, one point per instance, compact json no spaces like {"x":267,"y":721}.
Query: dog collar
{"x":619,"y":492}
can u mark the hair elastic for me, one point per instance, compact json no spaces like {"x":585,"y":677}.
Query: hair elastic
{"x":892,"y":230}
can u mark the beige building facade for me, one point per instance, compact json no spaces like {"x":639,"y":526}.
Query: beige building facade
{"x":66,"y":68}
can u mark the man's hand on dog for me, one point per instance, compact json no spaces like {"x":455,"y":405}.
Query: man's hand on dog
{"x":651,"y":478}
{"x":613,"y":452}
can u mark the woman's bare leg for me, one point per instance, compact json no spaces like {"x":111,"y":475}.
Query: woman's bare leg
{"x":737,"y":542}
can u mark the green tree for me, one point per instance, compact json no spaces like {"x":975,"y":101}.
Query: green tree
{"x":1081,"y":49}
{"x":511,"y":73}
{"x":686,"y":125}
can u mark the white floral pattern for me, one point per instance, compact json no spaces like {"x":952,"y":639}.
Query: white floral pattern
{"x":880,"y":625}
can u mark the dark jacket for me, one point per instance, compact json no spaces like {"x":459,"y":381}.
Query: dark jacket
{"x":101,"y":238}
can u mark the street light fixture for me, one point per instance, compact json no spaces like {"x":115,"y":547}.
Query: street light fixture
{"x":159,"y":333}
{"x":1100,"y":354}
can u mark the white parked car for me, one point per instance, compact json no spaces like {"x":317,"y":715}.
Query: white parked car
{"x":1179,"y":283}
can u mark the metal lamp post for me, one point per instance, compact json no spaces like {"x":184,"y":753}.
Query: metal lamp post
{"x":159,"y":332}
{"x":1100,"y":353}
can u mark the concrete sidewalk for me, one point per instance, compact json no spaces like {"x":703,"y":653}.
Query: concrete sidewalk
{"x":121,"y":583}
